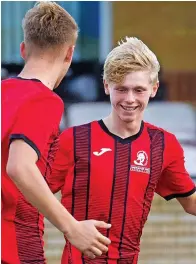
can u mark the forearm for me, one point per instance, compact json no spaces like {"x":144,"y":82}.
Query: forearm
{"x":189,"y":203}
{"x":192,"y":209}
{"x":31,"y":183}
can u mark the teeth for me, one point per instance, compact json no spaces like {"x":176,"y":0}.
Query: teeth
{"x":129,"y":108}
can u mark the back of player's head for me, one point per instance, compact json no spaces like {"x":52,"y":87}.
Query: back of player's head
{"x":48,"y":25}
{"x":131,"y":55}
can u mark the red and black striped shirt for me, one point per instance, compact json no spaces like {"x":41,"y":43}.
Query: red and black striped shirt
{"x":105,"y":177}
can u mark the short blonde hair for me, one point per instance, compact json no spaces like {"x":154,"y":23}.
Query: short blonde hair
{"x":47,"y":24}
{"x":131,"y":55}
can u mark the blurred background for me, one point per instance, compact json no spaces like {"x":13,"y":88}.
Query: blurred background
{"x":169,"y":29}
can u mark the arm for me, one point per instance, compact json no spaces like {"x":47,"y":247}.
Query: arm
{"x":189,"y":203}
{"x":22,"y":169}
{"x":175,"y":182}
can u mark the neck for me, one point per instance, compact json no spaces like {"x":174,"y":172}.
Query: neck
{"x":121,"y":128}
{"x":46,"y":72}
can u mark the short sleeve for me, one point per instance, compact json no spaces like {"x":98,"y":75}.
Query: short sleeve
{"x":36,"y":121}
{"x":174,"y":181}
{"x":63,"y":161}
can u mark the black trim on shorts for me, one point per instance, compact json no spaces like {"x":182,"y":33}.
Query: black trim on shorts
{"x":180,"y":195}
{"x":27,"y":140}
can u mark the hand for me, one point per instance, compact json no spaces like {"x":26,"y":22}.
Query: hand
{"x":85,"y":237}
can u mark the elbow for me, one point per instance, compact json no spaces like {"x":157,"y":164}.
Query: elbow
{"x":13,"y":170}
{"x":16,"y":171}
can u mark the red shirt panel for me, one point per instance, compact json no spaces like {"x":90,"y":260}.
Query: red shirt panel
{"x":30,"y":111}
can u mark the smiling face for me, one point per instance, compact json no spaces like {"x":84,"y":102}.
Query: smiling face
{"x":130,"y":98}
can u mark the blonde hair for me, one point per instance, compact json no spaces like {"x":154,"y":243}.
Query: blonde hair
{"x":131,"y":55}
{"x":47,"y":25}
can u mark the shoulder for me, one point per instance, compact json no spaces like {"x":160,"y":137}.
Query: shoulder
{"x":47,"y":96}
{"x":71,"y":132}
{"x":170,"y":143}
{"x":46,"y":101}
{"x":30,"y":91}
{"x":168,"y":136}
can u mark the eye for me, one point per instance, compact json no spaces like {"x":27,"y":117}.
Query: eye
{"x":121,"y":89}
{"x":139,"y":90}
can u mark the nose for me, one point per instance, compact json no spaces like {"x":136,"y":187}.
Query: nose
{"x":130,"y":98}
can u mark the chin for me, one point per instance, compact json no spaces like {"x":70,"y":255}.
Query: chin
{"x":127,"y":119}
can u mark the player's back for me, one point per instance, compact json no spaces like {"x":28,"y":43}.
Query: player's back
{"x":15,"y":93}
{"x":22,"y":118}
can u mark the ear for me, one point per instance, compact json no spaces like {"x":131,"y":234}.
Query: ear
{"x":154,"y":90}
{"x":69,"y":54}
{"x":106,"y":87}
{"x":23,"y":50}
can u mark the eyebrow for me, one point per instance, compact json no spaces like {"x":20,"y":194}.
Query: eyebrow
{"x":140,"y":87}
{"x":136,"y":87}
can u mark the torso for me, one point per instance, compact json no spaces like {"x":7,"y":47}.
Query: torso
{"x":114,"y":180}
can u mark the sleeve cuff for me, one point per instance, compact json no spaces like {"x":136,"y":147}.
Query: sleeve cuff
{"x":179,"y":195}
{"x":27,"y":140}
